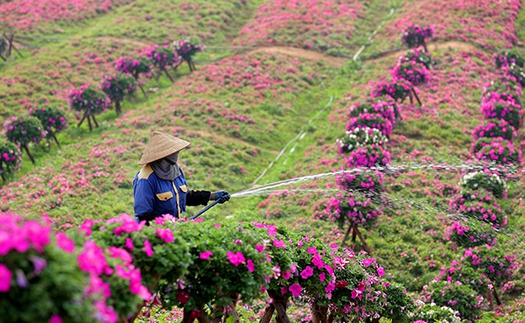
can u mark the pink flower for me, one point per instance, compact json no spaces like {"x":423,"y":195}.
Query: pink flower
{"x":307,"y":272}
{"x":284,"y":290}
{"x":279,"y":243}
{"x":86,"y":227}
{"x":312,"y":250}
{"x":92,"y":259}
{"x":55,"y":319}
{"x":147,"y":248}
{"x":259,"y":248}
{"x":295,"y":289}
{"x":330,"y":287}
{"x":236,"y":258}
{"x":65,"y":243}
{"x":380,"y":271}
{"x":165,"y":234}
{"x":206,"y":255}
{"x":318,"y":261}
{"x":250,"y":265}
{"x":5,"y":279}
{"x":368,"y":261}
{"x":129,"y":244}
{"x":183,"y":297}
{"x":286,"y":275}
{"x":322,"y":277}
{"x":38,"y":234}
{"x":121,"y":254}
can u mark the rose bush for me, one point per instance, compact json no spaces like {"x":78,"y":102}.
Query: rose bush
{"x":411,"y":71}
{"x":52,"y":118}
{"x":508,"y":57}
{"x":494,"y":128}
{"x":116,"y":87}
{"x":360,"y":137}
{"x":370,"y":120}
{"x":88,"y":100}
{"x":418,"y":56}
{"x":497,"y":150}
{"x":398,"y":89}
{"x":415,"y":35}
{"x":368,"y":156}
{"x":10,"y":158}
{"x":187,"y":49}
{"x":23,"y":131}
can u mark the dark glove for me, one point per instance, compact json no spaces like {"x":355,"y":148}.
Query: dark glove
{"x":221,"y":196}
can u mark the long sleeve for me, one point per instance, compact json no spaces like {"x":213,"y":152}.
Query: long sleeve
{"x":194,"y":198}
{"x":144,"y":198}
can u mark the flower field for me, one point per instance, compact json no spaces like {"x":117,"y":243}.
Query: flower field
{"x":386,"y":190}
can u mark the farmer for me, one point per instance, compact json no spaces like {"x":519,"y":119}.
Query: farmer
{"x":160,"y":187}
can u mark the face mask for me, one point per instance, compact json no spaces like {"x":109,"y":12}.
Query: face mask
{"x":172,"y":159}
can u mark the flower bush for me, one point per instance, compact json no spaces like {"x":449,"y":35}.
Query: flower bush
{"x":352,"y":209}
{"x":88,"y":100}
{"x":496,"y":150}
{"x":398,"y":89}
{"x":481,"y":180}
{"x":10,"y":158}
{"x":435,"y":313}
{"x":23,"y":131}
{"x":368,"y":156}
{"x":471,"y":233}
{"x":494,"y":128}
{"x":508,"y":57}
{"x":480,"y":205}
{"x":360,"y":137}
{"x":418,"y":56}
{"x":116,"y":87}
{"x":366,"y":181}
{"x":52,"y":118}
{"x":370,"y":120}
{"x":411,"y":71}
{"x":509,"y":111}
{"x":415,"y":35}
{"x":517,"y":72}
{"x":163,"y":57}
{"x":507,"y":89}
{"x":133,"y":66}
{"x":492,"y":262}
{"x":384,"y":106}
{"x":186,"y":49}
{"x":39,"y":277}
{"x":458,"y":297}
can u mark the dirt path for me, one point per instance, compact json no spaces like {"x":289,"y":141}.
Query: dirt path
{"x":303,"y":53}
{"x":431,"y":47}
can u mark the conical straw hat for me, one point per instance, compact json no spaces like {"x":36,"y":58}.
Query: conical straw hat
{"x":161,"y":145}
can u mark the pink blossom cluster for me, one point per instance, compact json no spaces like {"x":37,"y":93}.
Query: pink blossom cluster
{"x":497,"y":150}
{"x":493,"y":128}
{"x":354,"y":209}
{"x":186,"y":49}
{"x":415,"y":35}
{"x":82,"y":100}
{"x":412,"y":71}
{"x":480,"y":205}
{"x":370,"y":120}
{"x":311,"y":24}
{"x":28,"y":14}
{"x":163,"y":56}
{"x":369,"y":156}
{"x":398,"y":89}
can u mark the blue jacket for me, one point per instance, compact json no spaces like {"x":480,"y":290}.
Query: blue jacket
{"x":155,"y":196}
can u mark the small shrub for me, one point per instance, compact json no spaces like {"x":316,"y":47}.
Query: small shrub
{"x":52,"y":118}
{"x":399,"y":89}
{"x":187,"y":49}
{"x":88,"y":100}
{"x":413,"y":72}
{"x":415,"y":35}
{"x":10,"y":158}
{"x":508,"y":57}
{"x":23,"y":131}
{"x":494,"y":128}
{"x":360,"y":137}
{"x":418,"y":56}
{"x":497,"y":150}
{"x":116,"y":87}
{"x":480,"y":180}
{"x":370,"y":120}
{"x":509,"y":111}
{"x":368,"y":156}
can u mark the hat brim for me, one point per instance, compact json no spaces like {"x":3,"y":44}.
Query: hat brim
{"x":162,"y":145}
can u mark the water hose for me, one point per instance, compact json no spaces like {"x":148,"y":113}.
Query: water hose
{"x":206,"y":208}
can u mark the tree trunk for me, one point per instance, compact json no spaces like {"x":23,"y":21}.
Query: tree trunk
{"x":3,"y":179}
{"x":94,"y":120}
{"x":117,"y":107}
{"x":280,"y":306}
{"x":2,"y":57}
{"x":354,"y":232}
{"x":189,"y":64}
{"x":89,"y":123}
{"x":82,"y":120}
{"x":417,"y":97}
{"x":425,"y":46}
{"x":29,"y":153}
{"x":203,"y":318}
{"x":268,"y":312}
{"x":346,"y":234}
{"x":56,"y":140}
{"x":496,"y":296}
{"x":365,"y":245}
{"x":186,"y":318}
{"x":193,"y":64}
{"x":168,"y":75}
{"x":142,"y":89}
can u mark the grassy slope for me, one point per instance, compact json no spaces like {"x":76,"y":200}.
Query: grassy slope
{"x":405,"y":238}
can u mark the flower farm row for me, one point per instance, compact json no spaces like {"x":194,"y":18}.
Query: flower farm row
{"x":108,"y":270}
{"x":47,"y":121}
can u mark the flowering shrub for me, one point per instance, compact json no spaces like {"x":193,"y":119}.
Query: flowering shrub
{"x":52,"y":118}
{"x":23,"y":131}
{"x":496,"y":150}
{"x":163,"y":57}
{"x":399,"y":89}
{"x":366,"y":181}
{"x":418,"y":56}
{"x":352,"y":209}
{"x":480,"y":180}
{"x":88,"y":100}
{"x":509,"y":111}
{"x":472,"y":233}
{"x":459,"y":297}
{"x":460,"y":274}
{"x":360,"y":137}
{"x":435,"y":313}
{"x":39,"y":277}
{"x":412,"y":71}
{"x":186,"y":49}
{"x":506,"y":88}
{"x":415,"y":35}
{"x":116,"y":87}
{"x":508,"y":57}
{"x":384,"y":106}
{"x":493,"y":263}
{"x":132,"y":66}
{"x":517,"y":72}
{"x":494,"y":128}
{"x":370,"y":120}
{"x":368,"y":156}
{"x":480,"y":205}
{"x":10,"y":158}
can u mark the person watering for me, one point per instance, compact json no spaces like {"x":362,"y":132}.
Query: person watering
{"x":160,"y":187}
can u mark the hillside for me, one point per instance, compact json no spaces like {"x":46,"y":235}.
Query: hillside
{"x":272,"y":93}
